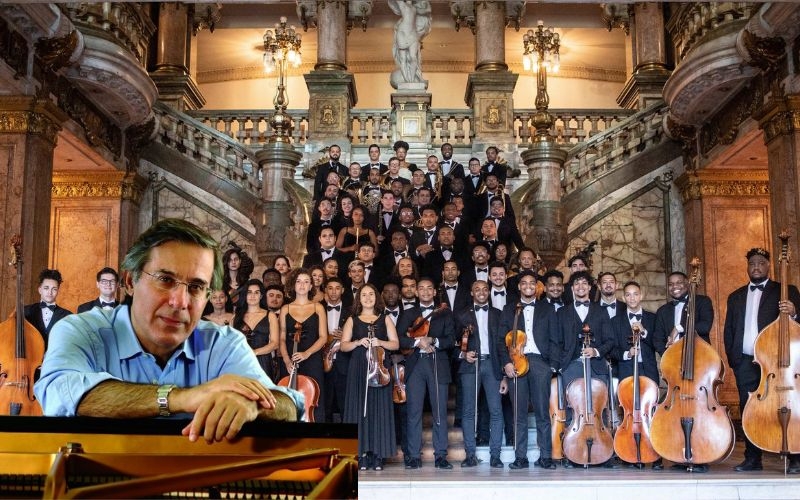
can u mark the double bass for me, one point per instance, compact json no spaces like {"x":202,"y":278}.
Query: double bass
{"x":302,"y":383}
{"x":558,"y":415}
{"x":690,"y":426}
{"x":768,"y":419}
{"x":587,"y":441}
{"x":638,"y":397}
{"x":21,"y":353}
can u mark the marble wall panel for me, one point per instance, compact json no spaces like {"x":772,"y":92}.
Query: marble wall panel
{"x":84,"y":238}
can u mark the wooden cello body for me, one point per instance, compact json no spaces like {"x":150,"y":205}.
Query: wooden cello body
{"x":771,"y":417}
{"x":558,"y":416}
{"x":690,"y":426}
{"x":302,"y":383}
{"x":21,"y":354}
{"x":587,"y":441}
{"x":638,"y":396}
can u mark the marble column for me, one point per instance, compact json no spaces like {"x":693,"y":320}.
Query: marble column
{"x":173,"y":54}
{"x":28,"y":132}
{"x":780,"y":121}
{"x":549,"y":234}
{"x":331,"y":88}
{"x":490,"y":88}
{"x":649,"y":57}
{"x":277,"y":161}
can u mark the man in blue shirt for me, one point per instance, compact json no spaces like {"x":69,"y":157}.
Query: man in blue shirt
{"x":155,"y":358}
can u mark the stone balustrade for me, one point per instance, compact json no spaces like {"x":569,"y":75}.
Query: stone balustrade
{"x":571,"y":126}
{"x":251,"y":126}
{"x":216,"y":151}
{"x":128,"y":23}
{"x":691,"y":22}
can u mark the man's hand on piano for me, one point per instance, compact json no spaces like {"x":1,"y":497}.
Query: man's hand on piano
{"x":189,"y":400}
{"x":220,"y":416}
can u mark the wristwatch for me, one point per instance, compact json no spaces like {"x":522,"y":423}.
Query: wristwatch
{"x":162,"y":398}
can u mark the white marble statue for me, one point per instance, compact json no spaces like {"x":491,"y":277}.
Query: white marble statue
{"x":414,"y":25}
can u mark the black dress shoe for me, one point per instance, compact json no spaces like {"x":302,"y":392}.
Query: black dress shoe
{"x":565,"y":463}
{"x":519,"y":463}
{"x":363,"y":463}
{"x":470,"y":461}
{"x":698,"y":468}
{"x":377,"y":464}
{"x":414,"y":463}
{"x":611,"y":463}
{"x":457,"y":423}
{"x":794,"y":466}
{"x":495,"y":463}
{"x":658,"y":465}
{"x":545,"y":463}
{"x":749,"y":464}
{"x":442,"y":463}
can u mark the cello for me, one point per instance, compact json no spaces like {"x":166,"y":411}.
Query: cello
{"x":768,"y":420}
{"x":558,"y":415}
{"x":690,"y":426}
{"x":302,"y":383}
{"x":21,"y":353}
{"x":587,"y":441}
{"x":638,"y":397}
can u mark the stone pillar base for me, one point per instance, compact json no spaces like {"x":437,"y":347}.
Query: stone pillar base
{"x":178,"y":91}
{"x":644,"y":87}
{"x":410,"y":109}
{"x":490,"y":94}
{"x":331,"y":96}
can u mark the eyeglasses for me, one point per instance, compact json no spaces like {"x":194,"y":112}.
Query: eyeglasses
{"x":108,"y":282}
{"x":167,"y":283}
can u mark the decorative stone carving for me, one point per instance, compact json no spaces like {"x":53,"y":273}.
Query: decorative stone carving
{"x":88,"y":185}
{"x":206,"y":15}
{"x":703,"y":183}
{"x":763,"y":53}
{"x":13,"y":49}
{"x":40,"y":119}
{"x":99,"y":130}
{"x":781,"y":123}
{"x":56,"y":53}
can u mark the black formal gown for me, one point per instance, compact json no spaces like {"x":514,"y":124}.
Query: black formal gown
{"x":376,"y":432}
{"x":259,"y":337}
{"x":313,"y":366}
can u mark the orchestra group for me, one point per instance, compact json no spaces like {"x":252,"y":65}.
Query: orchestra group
{"x":416,"y":280}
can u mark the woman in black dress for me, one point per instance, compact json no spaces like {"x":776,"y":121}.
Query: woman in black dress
{"x":300,"y":309}
{"x":376,"y":432}
{"x":259,"y":327}
{"x":350,"y":238}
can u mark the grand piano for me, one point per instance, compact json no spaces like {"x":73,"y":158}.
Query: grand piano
{"x":52,"y":457}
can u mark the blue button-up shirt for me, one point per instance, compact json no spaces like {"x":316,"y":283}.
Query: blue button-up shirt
{"x":89,"y":348}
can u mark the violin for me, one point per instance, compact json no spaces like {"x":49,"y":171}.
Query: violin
{"x":638,"y":397}
{"x":587,"y":441}
{"x":558,"y":415}
{"x":21,"y":353}
{"x":377,"y":374}
{"x":465,"y":339}
{"x":398,"y":380}
{"x":690,"y":426}
{"x":421,"y":326}
{"x":515,"y":342}
{"x":302,"y":383}
{"x":329,"y":352}
{"x":768,"y":420}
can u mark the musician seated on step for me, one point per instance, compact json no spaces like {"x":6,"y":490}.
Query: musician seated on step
{"x":155,"y":357}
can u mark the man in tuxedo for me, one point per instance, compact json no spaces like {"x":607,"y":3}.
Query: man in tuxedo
{"x":275,"y":297}
{"x":406,"y":221}
{"x":474,"y":179}
{"x":500,"y":294}
{"x":608,"y":294}
{"x":387,"y":218}
{"x":507,"y":232}
{"x":396,"y":250}
{"x":423,"y":241}
{"x":480,"y":366}
{"x":750,"y":309}
{"x":107,"y":283}
{"x":445,"y":250}
{"x":427,"y":371}
{"x":527,"y":261}
{"x":630,"y":316}
{"x":356,"y":273}
{"x":408,"y":294}
{"x":323,"y":218}
{"x":336,"y":379}
{"x":479,"y":268}
{"x":482,"y":206}
{"x":333,"y":165}
{"x":450,"y":167}
{"x":671,"y":317}
{"x":366,"y":254}
{"x":45,"y":313}
{"x":576,"y":263}
{"x":537,"y":320}
{"x":327,"y":250}
{"x":493,"y":167}
{"x":554,"y":288}
{"x":393,"y":310}
{"x":374,"y":153}
{"x":456,"y":296}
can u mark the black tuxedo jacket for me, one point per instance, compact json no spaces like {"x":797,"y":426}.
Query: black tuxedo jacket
{"x":570,"y":326}
{"x":665,"y":321}
{"x":498,"y":169}
{"x":464,"y":318}
{"x":419,"y":237}
{"x":432,"y":264}
{"x":456,"y":169}
{"x":88,"y":306}
{"x":342,"y":361}
{"x":544,"y":329}
{"x":512,"y":296}
{"x":365,"y":168}
{"x":441,"y":328}
{"x":315,"y":259}
{"x":322,"y":173}
{"x":621,"y":328}
{"x":620,"y":307}
{"x":481,"y":208}
{"x":462,"y":298}
{"x":33,"y":314}
{"x":767,"y":313}
{"x":468,"y":277}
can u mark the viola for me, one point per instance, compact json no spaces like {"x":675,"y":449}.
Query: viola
{"x":515,"y":342}
{"x":638,"y":397}
{"x":587,"y":441}
{"x":303,"y":383}
{"x":21,"y":353}
{"x":398,"y":380}
{"x":558,"y":415}
{"x":690,"y":426}
{"x":767,"y":419}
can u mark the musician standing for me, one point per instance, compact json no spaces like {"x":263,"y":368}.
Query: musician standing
{"x":538,"y":321}
{"x":427,"y":370}
{"x":750,"y":309}
{"x":632,"y":315}
{"x":671,"y":317}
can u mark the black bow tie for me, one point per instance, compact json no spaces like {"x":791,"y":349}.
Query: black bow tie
{"x":399,"y":254}
{"x":387,"y":213}
{"x":368,"y":267}
{"x":451,"y":225}
{"x":447,"y":249}
{"x":393,"y":313}
{"x":427,"y":308}
{"x":501,"y":292}
{"x":584,"y":303}
{"x":481,"y":308}
{"x":678,"y":301}
{"x":760,"y":287}
{"x":451,"y":287}
{"x":638,"y":317}
{"x":528,"y":304}
{"x":325,"y":223}
{"x":428,"y":234}
{"x":108,"y":304}
{"x":475,"y":176}
{"x":338,"y":308}
{"x":409,"y":303}
{"x":328,"y":252}
{"x":556,"y":301}
{"x":482,"y":270}
{"x":45,"y":305}
{"x":612,"y":305}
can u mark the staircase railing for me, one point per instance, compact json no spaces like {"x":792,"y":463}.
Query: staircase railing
{"x":217,"y":152}
{"x":604,"y":151}
{"x":251,"y":126}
